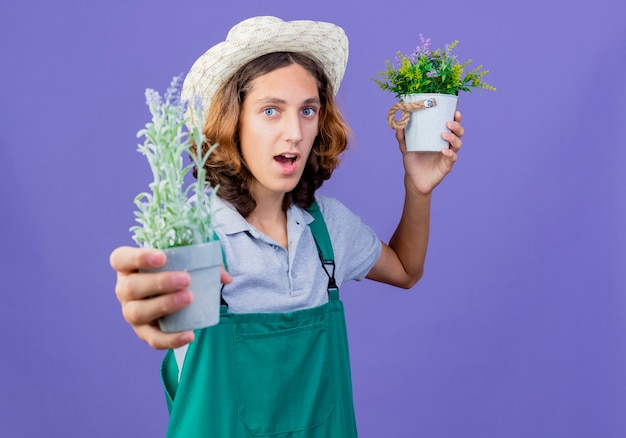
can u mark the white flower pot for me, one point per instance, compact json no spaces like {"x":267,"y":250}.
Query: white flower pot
{"x":203,"y":262}
{"x":425,"y":126}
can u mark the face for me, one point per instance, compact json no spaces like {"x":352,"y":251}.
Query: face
{"x":278,"y":124}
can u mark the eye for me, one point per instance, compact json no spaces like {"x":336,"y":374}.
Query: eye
{"x":269,"y":111}
{"x":308,"y":111}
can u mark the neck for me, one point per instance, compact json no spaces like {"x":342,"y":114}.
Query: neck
{"x":269,"y":218}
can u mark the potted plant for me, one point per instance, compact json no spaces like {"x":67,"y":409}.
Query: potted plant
{"x":176,"y":216}
{"x":430,"y":80}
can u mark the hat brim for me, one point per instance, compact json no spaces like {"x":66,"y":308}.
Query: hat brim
{"x":326,"y":43}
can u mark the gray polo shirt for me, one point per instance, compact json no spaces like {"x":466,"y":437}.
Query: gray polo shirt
{"x":269,"y":278}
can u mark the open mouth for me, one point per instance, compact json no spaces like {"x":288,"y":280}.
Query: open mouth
{"x":286,"y":158}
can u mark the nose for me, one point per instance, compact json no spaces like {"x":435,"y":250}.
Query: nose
{"x":292,"y":128}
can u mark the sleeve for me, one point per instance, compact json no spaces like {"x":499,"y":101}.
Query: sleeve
{"x":355,"y":245}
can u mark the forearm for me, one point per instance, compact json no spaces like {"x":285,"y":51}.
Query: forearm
{"x":410,"y":240}
{"x":401,"y":262}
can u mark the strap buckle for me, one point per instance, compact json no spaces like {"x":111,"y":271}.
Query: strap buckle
{"x":332,"y":284}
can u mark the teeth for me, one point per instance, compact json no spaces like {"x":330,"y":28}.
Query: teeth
{"x":290,"y":156}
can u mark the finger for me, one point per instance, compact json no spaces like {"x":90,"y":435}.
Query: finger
{"x":128,"y":259}
{"x":449,"y":159}
{"x":140,"y":285}
{"x":225,"y":277}
{"x":456,"y":128}
{"x":400,"y":136}
{"x":161,"y":341}
{"x":454,"y":141}
{"x":146,"y":311}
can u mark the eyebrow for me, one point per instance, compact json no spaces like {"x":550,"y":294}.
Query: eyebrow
{"x":275,"y":100}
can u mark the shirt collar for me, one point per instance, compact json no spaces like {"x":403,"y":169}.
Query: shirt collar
{"x":231,"y":222}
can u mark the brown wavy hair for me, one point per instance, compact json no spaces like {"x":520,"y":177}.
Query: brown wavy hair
{"x":226,"y":167}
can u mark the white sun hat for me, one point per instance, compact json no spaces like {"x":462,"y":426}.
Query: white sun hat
{"x":326,"y":43}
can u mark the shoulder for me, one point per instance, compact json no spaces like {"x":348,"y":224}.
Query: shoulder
{"x":339,"y":218}
{"x":332,"y":208}
{"x":355,"y":244}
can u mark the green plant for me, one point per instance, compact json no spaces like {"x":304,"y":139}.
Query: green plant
{"x":172,"y":215}
{"x":426,"y":71}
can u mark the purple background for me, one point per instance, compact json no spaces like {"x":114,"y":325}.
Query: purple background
{"x":518,"y":328}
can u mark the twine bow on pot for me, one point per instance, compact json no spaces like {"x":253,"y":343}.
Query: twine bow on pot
{"x":407,"y":108}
